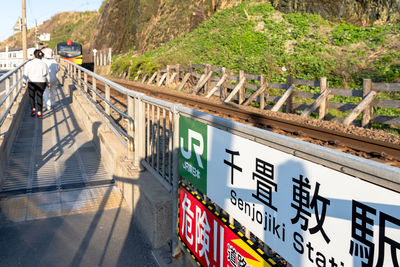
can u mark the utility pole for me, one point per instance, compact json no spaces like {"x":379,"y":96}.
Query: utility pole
{"x":24,"y":41}
{"x":36,"y":36}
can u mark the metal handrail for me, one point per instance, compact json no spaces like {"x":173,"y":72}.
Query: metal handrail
{"x":11,"y":90}
{"x":7,"y":74}
{"x":112,"y":84}
{"x":115,"y":127}
{"x":104,"y":99}
{"x":4,"y":116}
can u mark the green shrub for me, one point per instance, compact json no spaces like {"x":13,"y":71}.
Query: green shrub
{"x":137,"y":66}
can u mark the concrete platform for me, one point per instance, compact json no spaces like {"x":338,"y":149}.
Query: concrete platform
{"x":59,"y":205}
{"x":32,"y":206}
{"x":52,"y":153}
{"x":101,"y":238}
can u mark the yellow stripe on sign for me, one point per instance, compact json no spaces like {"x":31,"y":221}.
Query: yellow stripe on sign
{"x":272,"y":261}
{"x":257,"y":260}
{"x":231,"y":226}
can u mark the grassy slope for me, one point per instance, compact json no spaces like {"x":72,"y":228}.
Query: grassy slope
{"x":254,"y":37}
{"x":258,"y":39}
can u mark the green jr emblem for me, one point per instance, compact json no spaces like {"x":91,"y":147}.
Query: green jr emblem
{"x":193,"y":152}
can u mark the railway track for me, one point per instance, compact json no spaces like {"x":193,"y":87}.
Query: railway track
{"x":362,"y":146}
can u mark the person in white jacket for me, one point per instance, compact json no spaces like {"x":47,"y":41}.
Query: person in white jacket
{"x":36,"y":78}
{"x":53,"y":69}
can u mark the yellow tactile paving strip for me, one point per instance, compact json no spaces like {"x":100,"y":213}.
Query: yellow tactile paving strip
{"x":50,"y":204}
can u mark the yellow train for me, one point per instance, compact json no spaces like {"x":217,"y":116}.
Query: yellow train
{"x":70,"y":51}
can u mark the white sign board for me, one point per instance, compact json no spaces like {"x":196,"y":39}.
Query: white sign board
{"x":311,"y":215}
{"x":44,"y":37}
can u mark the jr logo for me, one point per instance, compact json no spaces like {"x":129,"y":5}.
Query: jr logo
{"x":193,"y":152}
{"x":198,"y":149}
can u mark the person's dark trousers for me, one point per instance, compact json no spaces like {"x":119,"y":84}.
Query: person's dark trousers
{"x":38,"y":89}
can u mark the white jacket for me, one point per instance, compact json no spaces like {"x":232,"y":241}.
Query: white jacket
{"x":53,"y":68}
{"x":36,"y":71}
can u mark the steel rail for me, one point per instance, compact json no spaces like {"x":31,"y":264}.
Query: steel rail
{"x":359,"y":143}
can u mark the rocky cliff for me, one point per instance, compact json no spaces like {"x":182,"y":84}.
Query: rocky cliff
{"x":145,"y":24}
{"x":362,"y":12}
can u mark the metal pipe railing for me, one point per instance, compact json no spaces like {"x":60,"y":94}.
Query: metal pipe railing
{"x":13,"y":87}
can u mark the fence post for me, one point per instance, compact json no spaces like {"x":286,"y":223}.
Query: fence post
{"x":139,"y":131}
{"x":223,"y":91}
{"x":242,"y":89}
{"x":207,"y":86}
{"x":79,"y":77}
{"x":323,"y":108}
{"x":85,"y":79}
{"x":15,"y":83}
{"x":175,"y":179}
{"x":158,"y":77}
{"x":168,"y":74}
{"x":108,"y":99}
{"x":94,"y":57}
{"x":109,"y":56}
{"x":132,"y":144}
{"x":19,"y":76}
{"x":289,"y":102}
{"x":191,"y":69}
{"x":142,"y":131}
{"x":262,"y":95}
{"x":178,"y":73}
{"x":8,"y":90}
{"x":94,"y":85}
{"x":367,"y":113}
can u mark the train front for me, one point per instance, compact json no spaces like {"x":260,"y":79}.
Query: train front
{"x":71,"y":51}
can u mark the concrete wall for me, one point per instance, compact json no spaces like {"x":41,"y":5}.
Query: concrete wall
{"x":149,"y":202}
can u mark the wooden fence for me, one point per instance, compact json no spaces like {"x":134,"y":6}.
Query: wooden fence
{"x":303,"y":97}
{"x":102,"y":57}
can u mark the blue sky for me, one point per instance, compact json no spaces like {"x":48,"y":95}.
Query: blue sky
{"x":39,"y":10}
